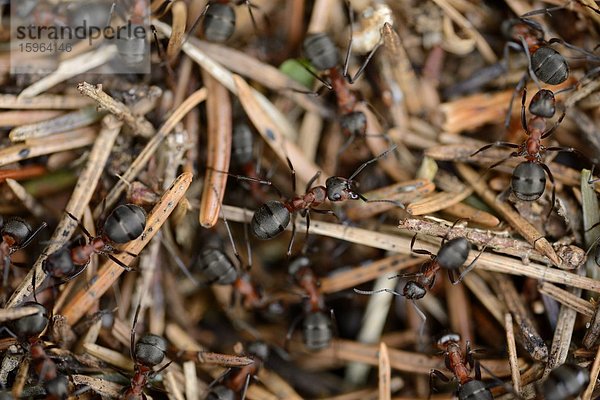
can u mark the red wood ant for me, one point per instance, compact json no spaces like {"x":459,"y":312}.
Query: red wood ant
{"x":242,"y":149}
{"x":237,"y":380}
{"x":564,"y":382}
{"x":218,"y":20}
{"x":271,"y":218}
{"x":323,"y":55}
{"x":451,"y":256}
{"x":461,"y":367}
{"x":317,"y":329}
{"x":528,"y":180}
{"x":16,"y":234}
{"x":126,"y":223}
{"x":147,"y":352}
{"x":28,"y":330}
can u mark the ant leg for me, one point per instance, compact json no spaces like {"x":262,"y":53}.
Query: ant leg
{"x":573,"y":47}
{"x":551,"y":177}
{"x":469,"y":267}
{"x":233,"y":246}
{"x":372,"y":160}
{"x":254,"y":25}
{"x":33,"y":235}
{"x":502,"y":161}
{"x":292,"y":173}
{"x":523,"y":116}
{"x":349,"y":48}
{"x":312,"y":180}
{"x":372,"y":292}
{"x":553,"y":128}
{"x":250,"y":179}
{"x":197,"y":22}
{"x":440,"y":375}
{"x":85,"y":231}
{"x":246,"y":384}
{"x":132,"y":337}
{"x":496,"y":144}
{"x":347,"y":143}
{"x":452,"y":227}
{"x":290,"y":332}
{"x":419,"y":251}
{"x":218,"y":379}
{"x":546,"y":11}
{"x":289,"y":250}
{"x":421,"y":315}
{"x":529,"y":68}
{"x":119,"y":262}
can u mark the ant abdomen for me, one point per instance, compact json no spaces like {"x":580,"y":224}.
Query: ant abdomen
{"x":528,"y":181}
{"x":150,"y":350}
{"x":57,"y":388}
{"x":242,"y":143}
{"x":549,"y":65}
{"x":221,"y":393}
{"x":317,"y":330}
{"x":354,"y":123}
{"x":270,"y":220}
{"x":321,"y":51}
{"x":474,"y":390}
{"x":31,"y":325}
{"x":17,"y":229}
{"x":126,"y":223}
{"x":453,"y":254}
{"x":216,"y":267}
{"x":566,"y":381}
{"x":219,"y":22}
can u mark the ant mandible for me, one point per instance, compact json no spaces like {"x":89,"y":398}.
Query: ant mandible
{"x":461,"y":367}
{"x":528,"y":180}
{"x":126,"y":223}
{"x":271,"y":218}
{"x":317,"y":329}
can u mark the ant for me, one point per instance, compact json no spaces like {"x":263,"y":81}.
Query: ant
{"x":271,"y":218}
{"x":16,"y":234}
{"x":323,"y":55}
{"x":126,"y":223}
{"x":238,"y":379}
{"x":218,"y":20}
{"x":528,"y":180}
{"x":242,"y":149}
{"x":147,"y":352}
{"x":27,"y":331}
{"x":316,"y":326}
{"x":461,"y":367}
{"x":451,"y":256}
{"x":564,"y":382}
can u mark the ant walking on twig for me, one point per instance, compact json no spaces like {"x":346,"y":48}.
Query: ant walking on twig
{"x":461,"y":367}
{"x":451,"y":257}
{"x":528,"y":180}
{"x":126,"y":223}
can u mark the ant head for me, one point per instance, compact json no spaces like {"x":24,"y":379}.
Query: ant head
{"x":354,"y":123}
{"x":543,"y":104}
{"x":150,"y":350}
{"x":448,"y":338}
{"x":317,"y":330}
{"x":413,"y":290}
{"x":126,"y":223}
{"x":321,"y":51}
{"x":31,"y":325}
{"x":528,"y":181}
{"x":297,"y":264}
{"x":16,"y":230}
{"x":57,"y":388}
{"x":259,"y":350}
{"x":219,"y":22}
{"x":59,"y":264}
{"x":340,"y":189}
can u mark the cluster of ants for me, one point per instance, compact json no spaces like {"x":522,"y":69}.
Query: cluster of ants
{"x":127,"y":223}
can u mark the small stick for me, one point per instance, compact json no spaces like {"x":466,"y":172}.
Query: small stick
{"x":110,"y":356}
{"x":587,"y":395}
{"x":81,"y":196}
{"x":361,"y":274}
{"x":191,"y":381}
{"x":22,"y":117}
{"x":138,"y":124}
{"x":530,"y":338}
{"x":10,"y":314}
{"x":173,"y":391}
{"x":44,"y":102}
{"x":568,"y":299}
{"x":70,"y":68}
{"x":385,"y":373}
{"x":25,"y":172}
{"x":142,"y":159}
{"x":101,"y":386}
{"x":28,"y":200}
{"x":512,"y":353}
{"x":277,"y":385}
{"x":220,"y":120}
{"x":437,"y":202}
{"x":519,"y":223}
{"x":398,"y":244}
{"x":54,"y":144}
{"x":110,"y":271}
{"x":179,"y":12}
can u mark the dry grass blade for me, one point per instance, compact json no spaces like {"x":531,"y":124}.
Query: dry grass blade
{"x":142,"y":159}
{"x":567,"y":299}
{"x":70,"y":68}
{"x":10,"y":314}
{"x":44,"y":102}
{"x":40,"y":147}
{"x":587,"y":395}
{"x":64,"y":123}
{"x":278,"y":386}
{"x":437,"y":202}
{"x":591,"y":216}
{"x":219,"y":114}
{"x":385,"y":373}
{"x":110,"y":356}
{"x":101,"y":386}
{"x":110,"y":271}
{"x":512,"y":217}
{"x":272,"y":132}
{"x":512,"y":353}
{"x":484,"y":294}
{"x":88,"y":179}
{"x":22,"y":117}
{"x":398,"y":244}
{"x":172,"y":387}
{"x":191,"y":381}
{"x":179,"y":12}
{"x":139,"y":125}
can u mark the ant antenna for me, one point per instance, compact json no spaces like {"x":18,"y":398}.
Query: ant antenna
{"x":365,"y":164}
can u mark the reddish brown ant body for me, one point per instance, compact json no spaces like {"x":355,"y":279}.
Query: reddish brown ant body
{"x":461,"y":367}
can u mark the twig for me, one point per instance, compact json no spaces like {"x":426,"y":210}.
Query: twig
{"x":139,"y":125}
{"x":567,"y":299}
{"x":385,"y":373}
{"x":64,"y":123}
{"x":219,"y":113}
{"x":110,"y":271}
{"x":44,"y":102}
{"x":512,"y":353}
{"x":80,"y":198}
